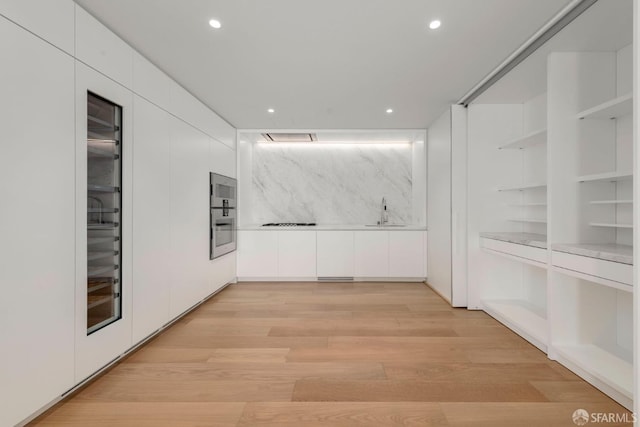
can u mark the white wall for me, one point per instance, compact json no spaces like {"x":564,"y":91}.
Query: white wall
{"x":439,"y":205}
{"x":172,"y":142}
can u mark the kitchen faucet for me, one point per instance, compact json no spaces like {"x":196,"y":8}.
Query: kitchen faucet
{"x":383,"y":212}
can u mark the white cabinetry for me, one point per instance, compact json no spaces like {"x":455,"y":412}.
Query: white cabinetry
{"x":371,"y":253}
{"x":189,"y":216}
{"x":37,"y":223}
{"x":257,"y":253}
{"x":407,"y":256}
{"x":567,"y":288}
{"x":53,"y":20}
{"x":102,"y":346}
{"x":151,"y":218}
{"x":151,"y":83}
{"x":296,"y":254}
{"x":335,"y":254}
{"x":223,"y":159}
{"x":102,"y":50}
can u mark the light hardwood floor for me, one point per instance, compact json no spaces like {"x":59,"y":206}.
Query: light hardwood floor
{"x":333,"y":354}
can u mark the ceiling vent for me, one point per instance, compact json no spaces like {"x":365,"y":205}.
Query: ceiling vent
{"x":290,"y":137}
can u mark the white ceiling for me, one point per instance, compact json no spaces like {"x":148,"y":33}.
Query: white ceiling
{"x":605,"y":26}
{"x":330,"y":64}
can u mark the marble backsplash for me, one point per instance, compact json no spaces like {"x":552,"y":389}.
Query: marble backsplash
{"x":331,"y":184}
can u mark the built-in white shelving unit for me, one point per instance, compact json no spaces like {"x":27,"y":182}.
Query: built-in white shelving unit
{"x":522,"y":187}
{"x":522,"y":317}
{"x":610,"y":225}
{"x":565,"y":171}
{"x":612,"y":109}
{"x":611,"y":202}
{"x":529,"y":140}
{"x":607,"y":176}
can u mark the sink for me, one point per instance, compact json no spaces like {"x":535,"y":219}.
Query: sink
{"x":385,"y":225}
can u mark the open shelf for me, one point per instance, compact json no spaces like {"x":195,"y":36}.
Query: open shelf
{"x":522,"y":317}
{"x":102,"y":188}
{"x":529,"y":140}
{"x":96,"y":300}
{"x":610,"y":225}
{"x":600,"y":368}
{"x":100,"y":240}
{"x":92,"y":256}
{"x":97,"y":283}
{"x":522,"y":187}
{"x":611,"y":202}
{"x":98,"y":271}
{"x":612,"y":109}
{"x":98,"y":152}
{"x":607,"y":176}
{"x":102,"y":226}
{"x":535,"y":221}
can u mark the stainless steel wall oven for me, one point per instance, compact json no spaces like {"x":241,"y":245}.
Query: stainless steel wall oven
{"x":223,"y":215}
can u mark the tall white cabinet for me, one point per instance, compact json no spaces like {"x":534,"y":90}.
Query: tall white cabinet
{"x":169,"y":144}
{"x":37,"y":223}
{"x":551,"y":201}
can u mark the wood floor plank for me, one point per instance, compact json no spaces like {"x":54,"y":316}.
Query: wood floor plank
{"x":333,"y":354}
{"x":508,"y":414}
{"x":114,"y":389}
{"x":465,"y":373}
{"x":145,"y":414}
{"x":342,"y":414}
{"x":569,"y":391}
{"x":412,"y":391}
{"x":235,"y":371}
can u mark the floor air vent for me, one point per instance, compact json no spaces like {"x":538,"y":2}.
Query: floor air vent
{"x":335,"y":279}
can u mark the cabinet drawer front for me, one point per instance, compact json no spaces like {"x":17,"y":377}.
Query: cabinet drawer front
{"x":615,"y":271}
{"x":522,"y":251}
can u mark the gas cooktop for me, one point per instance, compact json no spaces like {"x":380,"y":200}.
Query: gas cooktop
{"x":289,"y":224}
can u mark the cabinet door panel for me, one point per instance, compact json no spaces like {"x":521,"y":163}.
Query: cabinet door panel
{"x":406,"y":254}
{"x":151,"y":216}
{"x":335,"y":256}
{"x":190,"y":281}
{"x":372,"y":253}
{"x":51,"y":20}
{"x":37,"y":223}
{"x":101,"y":49}
{"x":257,"y":253}
{"x":297,"y":253}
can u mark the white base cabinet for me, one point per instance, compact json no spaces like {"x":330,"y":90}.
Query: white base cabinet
{"x":296,"y":253}
{"x":371,"y":254}
{"x":407,"y":256}
{"x":335,"y":254}
{"x":309,"y":255}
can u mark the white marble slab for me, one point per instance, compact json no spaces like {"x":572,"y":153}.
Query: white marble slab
{"x":604,"y":251}
{"x":337,"y":184}
{"x":527,"y":239}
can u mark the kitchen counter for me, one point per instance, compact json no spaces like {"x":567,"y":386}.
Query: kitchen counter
{"x":335,"y":227}
{"x":527,"y":239}
{"x":608,"y":252}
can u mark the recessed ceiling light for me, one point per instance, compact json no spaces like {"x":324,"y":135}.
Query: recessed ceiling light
{"x":215,"y":23}
{"x":271,"y":110}
{"x":389,"y":110}
{"x":435,"y":24}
